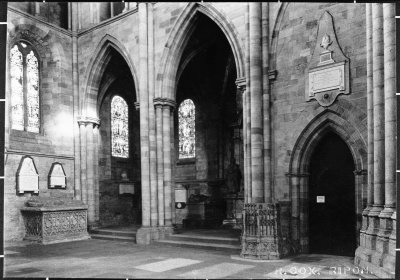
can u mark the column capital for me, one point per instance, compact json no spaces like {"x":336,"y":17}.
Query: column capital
{"x":297,"y":174}
{"x":88,"y":120}
{"x":241,"y":83}
{"x":158,"y":102}
{"x":137,"y":106}
{"x":360,"y":172}
{"x":169,"y":102}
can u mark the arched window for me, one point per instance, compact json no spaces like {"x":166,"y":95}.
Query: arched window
{"x":187,"y":140}
{"x":119,"y":127}
{"x":24,"y":72}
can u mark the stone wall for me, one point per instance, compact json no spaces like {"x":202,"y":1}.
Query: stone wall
{"x":293,"y":43}
{"x":116,"y":209}
{"x":52,"y":12}
{"x":55,"y":141}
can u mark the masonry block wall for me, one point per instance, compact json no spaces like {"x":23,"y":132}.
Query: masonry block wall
{"x":293,"y":41}
{"x":116,"y":209}
{"x":54,"y":142}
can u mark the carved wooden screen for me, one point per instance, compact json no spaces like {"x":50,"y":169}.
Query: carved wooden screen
{"x":187,"y":129}
{"x":119,"y":127}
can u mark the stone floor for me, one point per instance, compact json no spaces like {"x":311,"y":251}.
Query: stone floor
{"x":113,"y":259}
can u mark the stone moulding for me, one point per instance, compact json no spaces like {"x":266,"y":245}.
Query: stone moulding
{"x":261,"y":235}
{"x":57,"y":223}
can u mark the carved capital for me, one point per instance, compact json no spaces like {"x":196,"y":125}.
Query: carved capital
{"x":137,"y":106}
{"x":88,"y":121}
{"x":241,"y":84}
{"x":158,"y":102}
{"x":360,"y":172}
{"x":169,"y":102}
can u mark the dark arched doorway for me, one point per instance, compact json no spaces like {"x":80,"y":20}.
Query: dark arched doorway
{"x":332,"y":212}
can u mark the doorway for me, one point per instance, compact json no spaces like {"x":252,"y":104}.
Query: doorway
{"x":332,"y":208}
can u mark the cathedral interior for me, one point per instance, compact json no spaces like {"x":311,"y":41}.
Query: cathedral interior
{"x":274,"y":123}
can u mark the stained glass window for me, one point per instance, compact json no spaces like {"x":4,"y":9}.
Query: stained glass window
{"x":32,"y":92}
{"x":24,"y":68}
{"x":17,"y":91}
{"x":119,"y":127}
{"x":187,"y":140}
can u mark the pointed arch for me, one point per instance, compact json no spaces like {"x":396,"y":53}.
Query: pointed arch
{"x":95,"y":70}
{"x":329,"y":120}
{"x":275,"y":33}
{"x":180,"y":34}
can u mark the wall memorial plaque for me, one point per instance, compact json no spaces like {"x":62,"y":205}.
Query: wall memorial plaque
{"x":328,"y":70}
{"x":57,"y":177}
{"x":27,"y":176}
{"x":126,"y":188}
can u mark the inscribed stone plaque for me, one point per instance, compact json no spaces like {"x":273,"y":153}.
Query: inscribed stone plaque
{"x":57,"y":178}
{"x":326,"y":79}
{"x":125,"y":188}
{"x":27,"y":176}
{"x":180,"y":195}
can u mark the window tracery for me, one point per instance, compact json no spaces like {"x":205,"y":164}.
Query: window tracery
{"x":187,"y":130}
{"x":119,"y":127}
{"x":24,"y":73}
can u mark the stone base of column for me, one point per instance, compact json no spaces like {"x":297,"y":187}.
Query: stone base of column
{"x":143,"y":235}
{"x":94,"y":225}
{"x":376,"y":254}
{"x":367,"y":268}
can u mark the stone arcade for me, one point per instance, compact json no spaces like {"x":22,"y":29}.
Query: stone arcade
{"x":278,"y":119}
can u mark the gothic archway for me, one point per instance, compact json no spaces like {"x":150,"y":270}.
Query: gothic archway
{"x":299,"y":171}
{"x":177,"y":41}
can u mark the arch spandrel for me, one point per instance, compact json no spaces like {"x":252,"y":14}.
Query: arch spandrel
{"x":95,"y":70}
{"x":180,"y":34}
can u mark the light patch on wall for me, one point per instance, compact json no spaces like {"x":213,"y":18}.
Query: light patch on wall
{"x":63,"y":124}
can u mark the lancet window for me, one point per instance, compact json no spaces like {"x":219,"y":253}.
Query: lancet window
{"x":24,"y":74}
{"x":119,"y":127}
{"x":187,"y":129}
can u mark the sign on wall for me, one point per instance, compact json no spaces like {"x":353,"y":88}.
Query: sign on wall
{"x":27,"y":176}
{"x":57,"y":177}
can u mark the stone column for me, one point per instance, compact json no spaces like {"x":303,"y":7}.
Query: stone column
{"x":304,"y":217}
{"x":167,"y":108}
{"x":379,"y":133}
{"x":246,"y":102}
{"x":112,"y":8}
{"x":266,"y":104}
{"x":386,"y":221}
{"x":241,"y":85}
{"x":158,"y":103}
{"x":69,"y":15}
{"x":368,"y":231}
{"x":295,"y":219}
{"x":389,"y":39}
{"x":82,"y":138}
{"x":90,"y":173}
{"x":79,"y":16}
{"x":37,"y":9}
{"x":172,"y":143}
{"x":152,"y":128}
{"x":370,"y":109}
{"x":126,"y":7}
{"x":96,"y":173}
{"x":143,"y":235}
{"x":257,"y":143}
{"x":378,"y":98}
{"x":75,"y":88}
